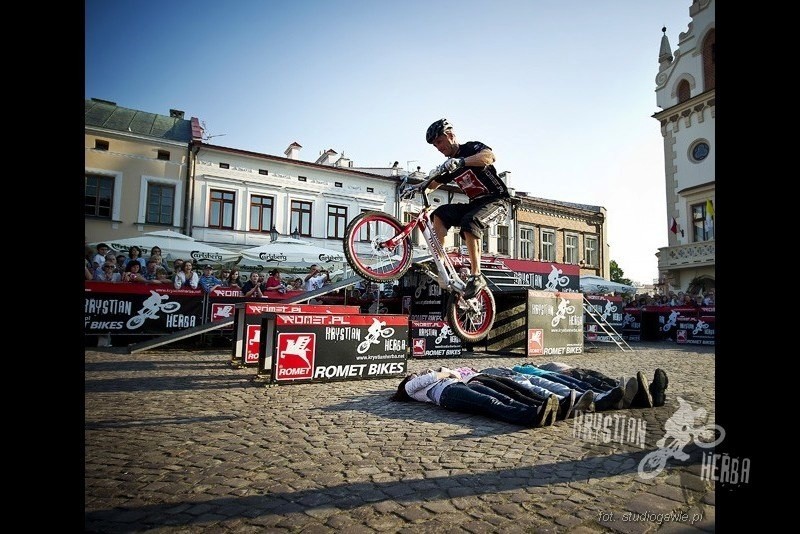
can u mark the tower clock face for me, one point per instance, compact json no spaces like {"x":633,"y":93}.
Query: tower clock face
{"x":700,"y":151}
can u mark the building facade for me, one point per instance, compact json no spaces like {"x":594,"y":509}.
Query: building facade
{"x":685,"y":92}
{"x":148,"y":172}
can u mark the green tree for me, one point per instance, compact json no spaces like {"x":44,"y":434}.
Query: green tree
{"x":618,"y":275}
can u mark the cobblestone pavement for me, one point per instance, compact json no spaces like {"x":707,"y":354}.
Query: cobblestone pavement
{"x":181,"y":441}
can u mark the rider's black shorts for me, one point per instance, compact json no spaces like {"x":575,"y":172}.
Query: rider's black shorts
{"x":473,"y":217}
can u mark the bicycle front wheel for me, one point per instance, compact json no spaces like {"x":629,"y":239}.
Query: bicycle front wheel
{"x":366,"y":251}
{"x":471,"y":325}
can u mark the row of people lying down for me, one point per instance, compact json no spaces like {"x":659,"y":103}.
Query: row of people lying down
{"x":531,"y":395}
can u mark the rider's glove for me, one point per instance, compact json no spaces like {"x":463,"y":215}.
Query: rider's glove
{"x":409,"y":192}
{"x":453,"y":164}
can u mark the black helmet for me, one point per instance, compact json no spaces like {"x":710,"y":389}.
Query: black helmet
{"x":436,"y":129}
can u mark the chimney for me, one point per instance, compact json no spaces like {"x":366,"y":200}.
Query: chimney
{"x":293,"y":152}
{"x":176,"y":114}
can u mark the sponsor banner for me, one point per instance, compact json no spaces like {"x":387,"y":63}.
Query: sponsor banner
{"x":140,"y":309}
{"x":247,"y":335}
{"x":555,"y":323}
{"x":607,"y":309}
{"x":545,"y":276}
{"x":434,"y":339}
{"x":332,"y":347}
{"x":631,"y":324}
{"x":696,"y":331}
{"x":427,"y":298}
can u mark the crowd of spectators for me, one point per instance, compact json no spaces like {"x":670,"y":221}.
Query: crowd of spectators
{"x":673,"y":299}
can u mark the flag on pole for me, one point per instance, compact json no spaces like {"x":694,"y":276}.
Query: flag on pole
{"x":709,"y":219}
{"x":674,"y":227}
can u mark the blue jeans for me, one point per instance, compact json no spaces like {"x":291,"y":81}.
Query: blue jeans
{"x":478,"y":399}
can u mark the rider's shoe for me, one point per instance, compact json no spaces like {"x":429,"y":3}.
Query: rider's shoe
{"x":475,"y":283}
{"x":643,"y":398}
{"x":657,"y":387}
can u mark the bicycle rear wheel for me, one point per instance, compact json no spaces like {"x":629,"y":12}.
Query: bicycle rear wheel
{"x":471,"y":326}
{"x":365,"y":250}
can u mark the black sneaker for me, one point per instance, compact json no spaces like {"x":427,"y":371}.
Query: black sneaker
{"x":657,"y":387}
{"x":474,"y":285}
{"x":609,"y":400}
{"x":585,"y":403}
{"x":643,"y":399}
{"x":565,"y":405}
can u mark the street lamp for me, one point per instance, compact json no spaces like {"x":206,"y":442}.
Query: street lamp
{"x":273,"y":233}
{"x":296,"y":234}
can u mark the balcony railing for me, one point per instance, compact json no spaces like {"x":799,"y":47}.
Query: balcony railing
{"x":696,"y":254}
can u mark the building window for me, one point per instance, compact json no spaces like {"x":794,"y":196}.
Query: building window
{"x":98,"y":195}
{"x":702,"y":226}
{"x":416,"y":235}
{"x":160,"y":203}
{"x":364,"y":231}
{"x":263,"y":172}
{"x":100,"y":144}
{"x":699,"y":151}
{"x":221,"y":209}
{"x":571,"y":248}
{"x":485,"y":243}
{"x":301,"y":178}
{"x":709,"y":60}
{"x":224,"y":166}
{"x":502,"y":240}
{"x":337,"y":221}
{"x":301,"y":217}
{"x":337,"y":184}
{"x":261,"y":211}
{"x":548,"y":252}
{"x":590,"y":252}
{"x":370,"y":190}
{"x":684,"y":91}
{"x":526,"y":243}
{"x":163,"y":155}
{"x":457,"y":240}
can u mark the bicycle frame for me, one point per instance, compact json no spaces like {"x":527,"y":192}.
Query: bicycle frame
{"x":448,"y":279}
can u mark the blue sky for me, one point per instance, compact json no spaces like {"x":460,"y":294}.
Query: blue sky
{"x":563,"y":92}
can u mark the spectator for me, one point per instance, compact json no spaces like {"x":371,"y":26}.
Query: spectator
{"x":708,"y":300}
{"x":155,"y":252}
{"x":119,"y":261}
{"x":208,"y":281}
{"x":150,"y":271}
{"x":274,"y":282}
{"x":99,"y":259}
{"x":252,"y":288}
{"x":177,"y":266}
{"x":234,"y":279}
{"x":135,"y":254}
{"x":225,"y":276}
{"x":186,"y":277}
{"x":297,"y":284}
{"x":108,"y":274}
{"x":162,"y":277}
{"x":88,"y":272}
{"x":316,"y":278}
{"x":133,"y":273}
{"x":110,"y":258}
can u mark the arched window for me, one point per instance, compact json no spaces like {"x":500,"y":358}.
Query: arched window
{"x":709,"y":60}
{"x":683,"y":91}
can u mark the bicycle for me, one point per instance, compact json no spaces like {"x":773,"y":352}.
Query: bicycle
{"x":150,"y":309}
{"x":379,"y":248}
{"x":376,"y":331}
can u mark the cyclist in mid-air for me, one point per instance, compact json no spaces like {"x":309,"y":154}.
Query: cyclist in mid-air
{"x":469,"y":165}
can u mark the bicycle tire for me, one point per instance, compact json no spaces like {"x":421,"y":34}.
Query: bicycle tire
{"x":465,"y":323}
{"x":135,"y":322}
{"x":363,"y":238}
{"x":169,"y":307}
